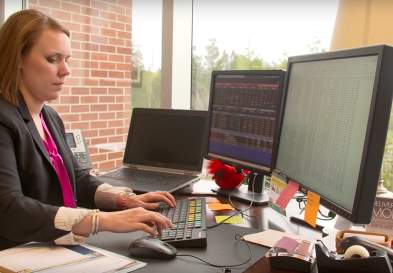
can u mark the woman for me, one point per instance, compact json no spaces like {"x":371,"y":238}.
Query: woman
{"x":42,"y":187}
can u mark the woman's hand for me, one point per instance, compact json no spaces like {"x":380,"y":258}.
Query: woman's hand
{"x":125,"y":221}
{"x":150,"y":200}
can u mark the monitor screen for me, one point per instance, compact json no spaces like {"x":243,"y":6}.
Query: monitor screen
{"x":244,"y":109}
{"x":166,"y":138}
{"x":334,"y":126}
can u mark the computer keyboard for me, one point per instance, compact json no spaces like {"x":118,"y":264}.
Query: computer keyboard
{"x":189,"y":223}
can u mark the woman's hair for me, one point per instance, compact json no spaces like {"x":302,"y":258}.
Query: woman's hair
{"x":17,"y":36}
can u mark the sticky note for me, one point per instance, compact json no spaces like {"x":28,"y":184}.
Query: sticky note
{"x":212,"y":200}
{"x":312,"y":207}
{"x":219,"y":206}
{"x":287,"y":194}
{"x":237,"y":219}
{"x":277,"y":184}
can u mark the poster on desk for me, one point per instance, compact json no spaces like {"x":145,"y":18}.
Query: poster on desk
{"x":382,"y":218}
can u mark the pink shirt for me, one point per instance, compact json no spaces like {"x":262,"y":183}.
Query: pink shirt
{"x":58,"y":164}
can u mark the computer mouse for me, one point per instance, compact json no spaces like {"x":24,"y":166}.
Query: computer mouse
{"x":150,"y":247}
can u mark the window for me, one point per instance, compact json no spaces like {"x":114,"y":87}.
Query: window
{"x":146,"y":53}
{"x":251,"y":34}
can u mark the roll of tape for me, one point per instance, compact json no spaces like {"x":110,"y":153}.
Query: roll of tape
{"x":356,"y":251}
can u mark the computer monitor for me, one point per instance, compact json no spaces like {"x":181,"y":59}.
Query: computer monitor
{"x":244,"y":114}
{"x":334,"y":126}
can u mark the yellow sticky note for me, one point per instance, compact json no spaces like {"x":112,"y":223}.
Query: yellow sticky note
{"x":277,"y":184}
{"x":212,"y":200}
{"x":219,"y":206}
{"x":237,"y":219}
{"x":312,"y":207}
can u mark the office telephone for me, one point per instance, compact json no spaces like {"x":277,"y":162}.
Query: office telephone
{"x":78,"y":147}
{"x":378,"y":259}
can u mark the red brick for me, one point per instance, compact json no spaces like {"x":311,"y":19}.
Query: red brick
{"x":115,"y":155}
{"x":107,"y":116}
{"x":78,"y":54}
{"x":89,"y":99}
{"x":90,"y":11}
{"x":83,"y":19}
{"x":80,"y":73}
{"x":116,"y":58}
{"x":70,"y":117}
{"x":60,"y":15}
{"x":99,"y":91}
{"x":107,"y":48}
{"x":123,"y":83}
{"x":70,"y":7}
{"x":79,"y":125}
{"x":108,"y":15}
{"x":116,"y":139}
{"x":106,"y":132}
{"x":108,"y":32}
{"x":98,"y":157}
{"x":99,"y":124}
{"x":49,"y":3}
{"x":115,"y":91}
{"x":75,"y":45}
{"x":107,"y":99}
{"x":118,"y":26}
{"x":90,"y":133}
{"x":90,"y":29}
{"x":116,"y":42}
{"x":72,"y":26}
{"x":69,"y":99}
{"x":115,"y":107}
{"x":98,"y":107}
{"x":80,"y":91}
{"x":89,"y":46}
{"x":123,"y":18}
{"x":99,"y":5}
{"x":104,"y":82}
{"x":80,"y":108}
{"x":99,"y":56}
{"x":89,"y":64}
{"x":89,"y":117}
{"x":99,"y":73}
{"x":63,"y":108}
{"x":90,"y":82}
{"x":108,"y":66}
{"x":99,"y":39}
{"x":116,"y":74}
{"x":123,"y":35}
{"x":106,"y":166}
{"x":79,"y":36}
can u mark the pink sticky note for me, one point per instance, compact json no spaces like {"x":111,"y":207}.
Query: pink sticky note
{"x":287,"y":194}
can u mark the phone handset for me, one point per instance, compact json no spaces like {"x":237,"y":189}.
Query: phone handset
{"x":78,"y":147}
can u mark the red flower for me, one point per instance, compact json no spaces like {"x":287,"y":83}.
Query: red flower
{"x":226,"y":177}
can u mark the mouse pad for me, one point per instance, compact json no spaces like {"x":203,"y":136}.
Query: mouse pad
{"x":222,"y":248}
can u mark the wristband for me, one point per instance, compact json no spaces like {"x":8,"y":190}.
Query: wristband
{"x":121,"y":201}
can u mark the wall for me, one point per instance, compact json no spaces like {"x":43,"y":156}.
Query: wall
{"x":362,"y":23}
{"x":97,"y":94}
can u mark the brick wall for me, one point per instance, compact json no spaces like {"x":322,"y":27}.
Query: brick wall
{"x":97,"y":95}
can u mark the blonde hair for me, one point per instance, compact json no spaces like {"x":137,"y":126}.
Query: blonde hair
{"x":17,"y":36}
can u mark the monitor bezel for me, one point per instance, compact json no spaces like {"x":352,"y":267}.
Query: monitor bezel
{"x":377,"y":127}
{"x":265,"y":170}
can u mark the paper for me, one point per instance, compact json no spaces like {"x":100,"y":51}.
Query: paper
{"x":49,"y":258}
{"x":312,"y":207}
{"x":219,"y":206}
{"x":212,"y":200}
{"x":287,"y":194}
{"x":277,"y":184}
{"x":237,"y":219}
{"x":270,"y":237}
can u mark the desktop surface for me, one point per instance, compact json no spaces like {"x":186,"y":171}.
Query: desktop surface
{"x":222,"y":248}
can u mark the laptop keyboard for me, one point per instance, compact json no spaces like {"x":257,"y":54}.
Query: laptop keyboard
{"x":148,"y":179}
{"x":189,"y":223}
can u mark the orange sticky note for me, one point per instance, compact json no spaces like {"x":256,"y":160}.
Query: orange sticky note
{"x":219,"y":206}
{"x":212,"y":200}
{"x":312,"y":207}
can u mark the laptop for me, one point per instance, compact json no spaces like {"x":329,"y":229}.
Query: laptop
{"x":164,"y":150}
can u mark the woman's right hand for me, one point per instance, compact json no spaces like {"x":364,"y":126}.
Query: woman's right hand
{"x":125,"y":221}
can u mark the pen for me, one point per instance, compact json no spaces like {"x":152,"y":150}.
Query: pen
{"x":303,"y":223}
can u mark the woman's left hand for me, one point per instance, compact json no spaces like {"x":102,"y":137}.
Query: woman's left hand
{"x":151,"y":200}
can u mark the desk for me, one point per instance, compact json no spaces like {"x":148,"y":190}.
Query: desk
{"x":222,"y":247}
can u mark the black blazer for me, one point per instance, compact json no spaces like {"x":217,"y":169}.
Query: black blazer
{"x":30,"y":193}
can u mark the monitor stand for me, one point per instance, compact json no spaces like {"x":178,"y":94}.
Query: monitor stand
{"x":251,"y":193}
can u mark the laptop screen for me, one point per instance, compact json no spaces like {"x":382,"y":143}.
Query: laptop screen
{"x":166,"y":138}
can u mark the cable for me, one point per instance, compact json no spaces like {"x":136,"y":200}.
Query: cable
{"x":238,"y":210}
{"x":238,"y":237}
